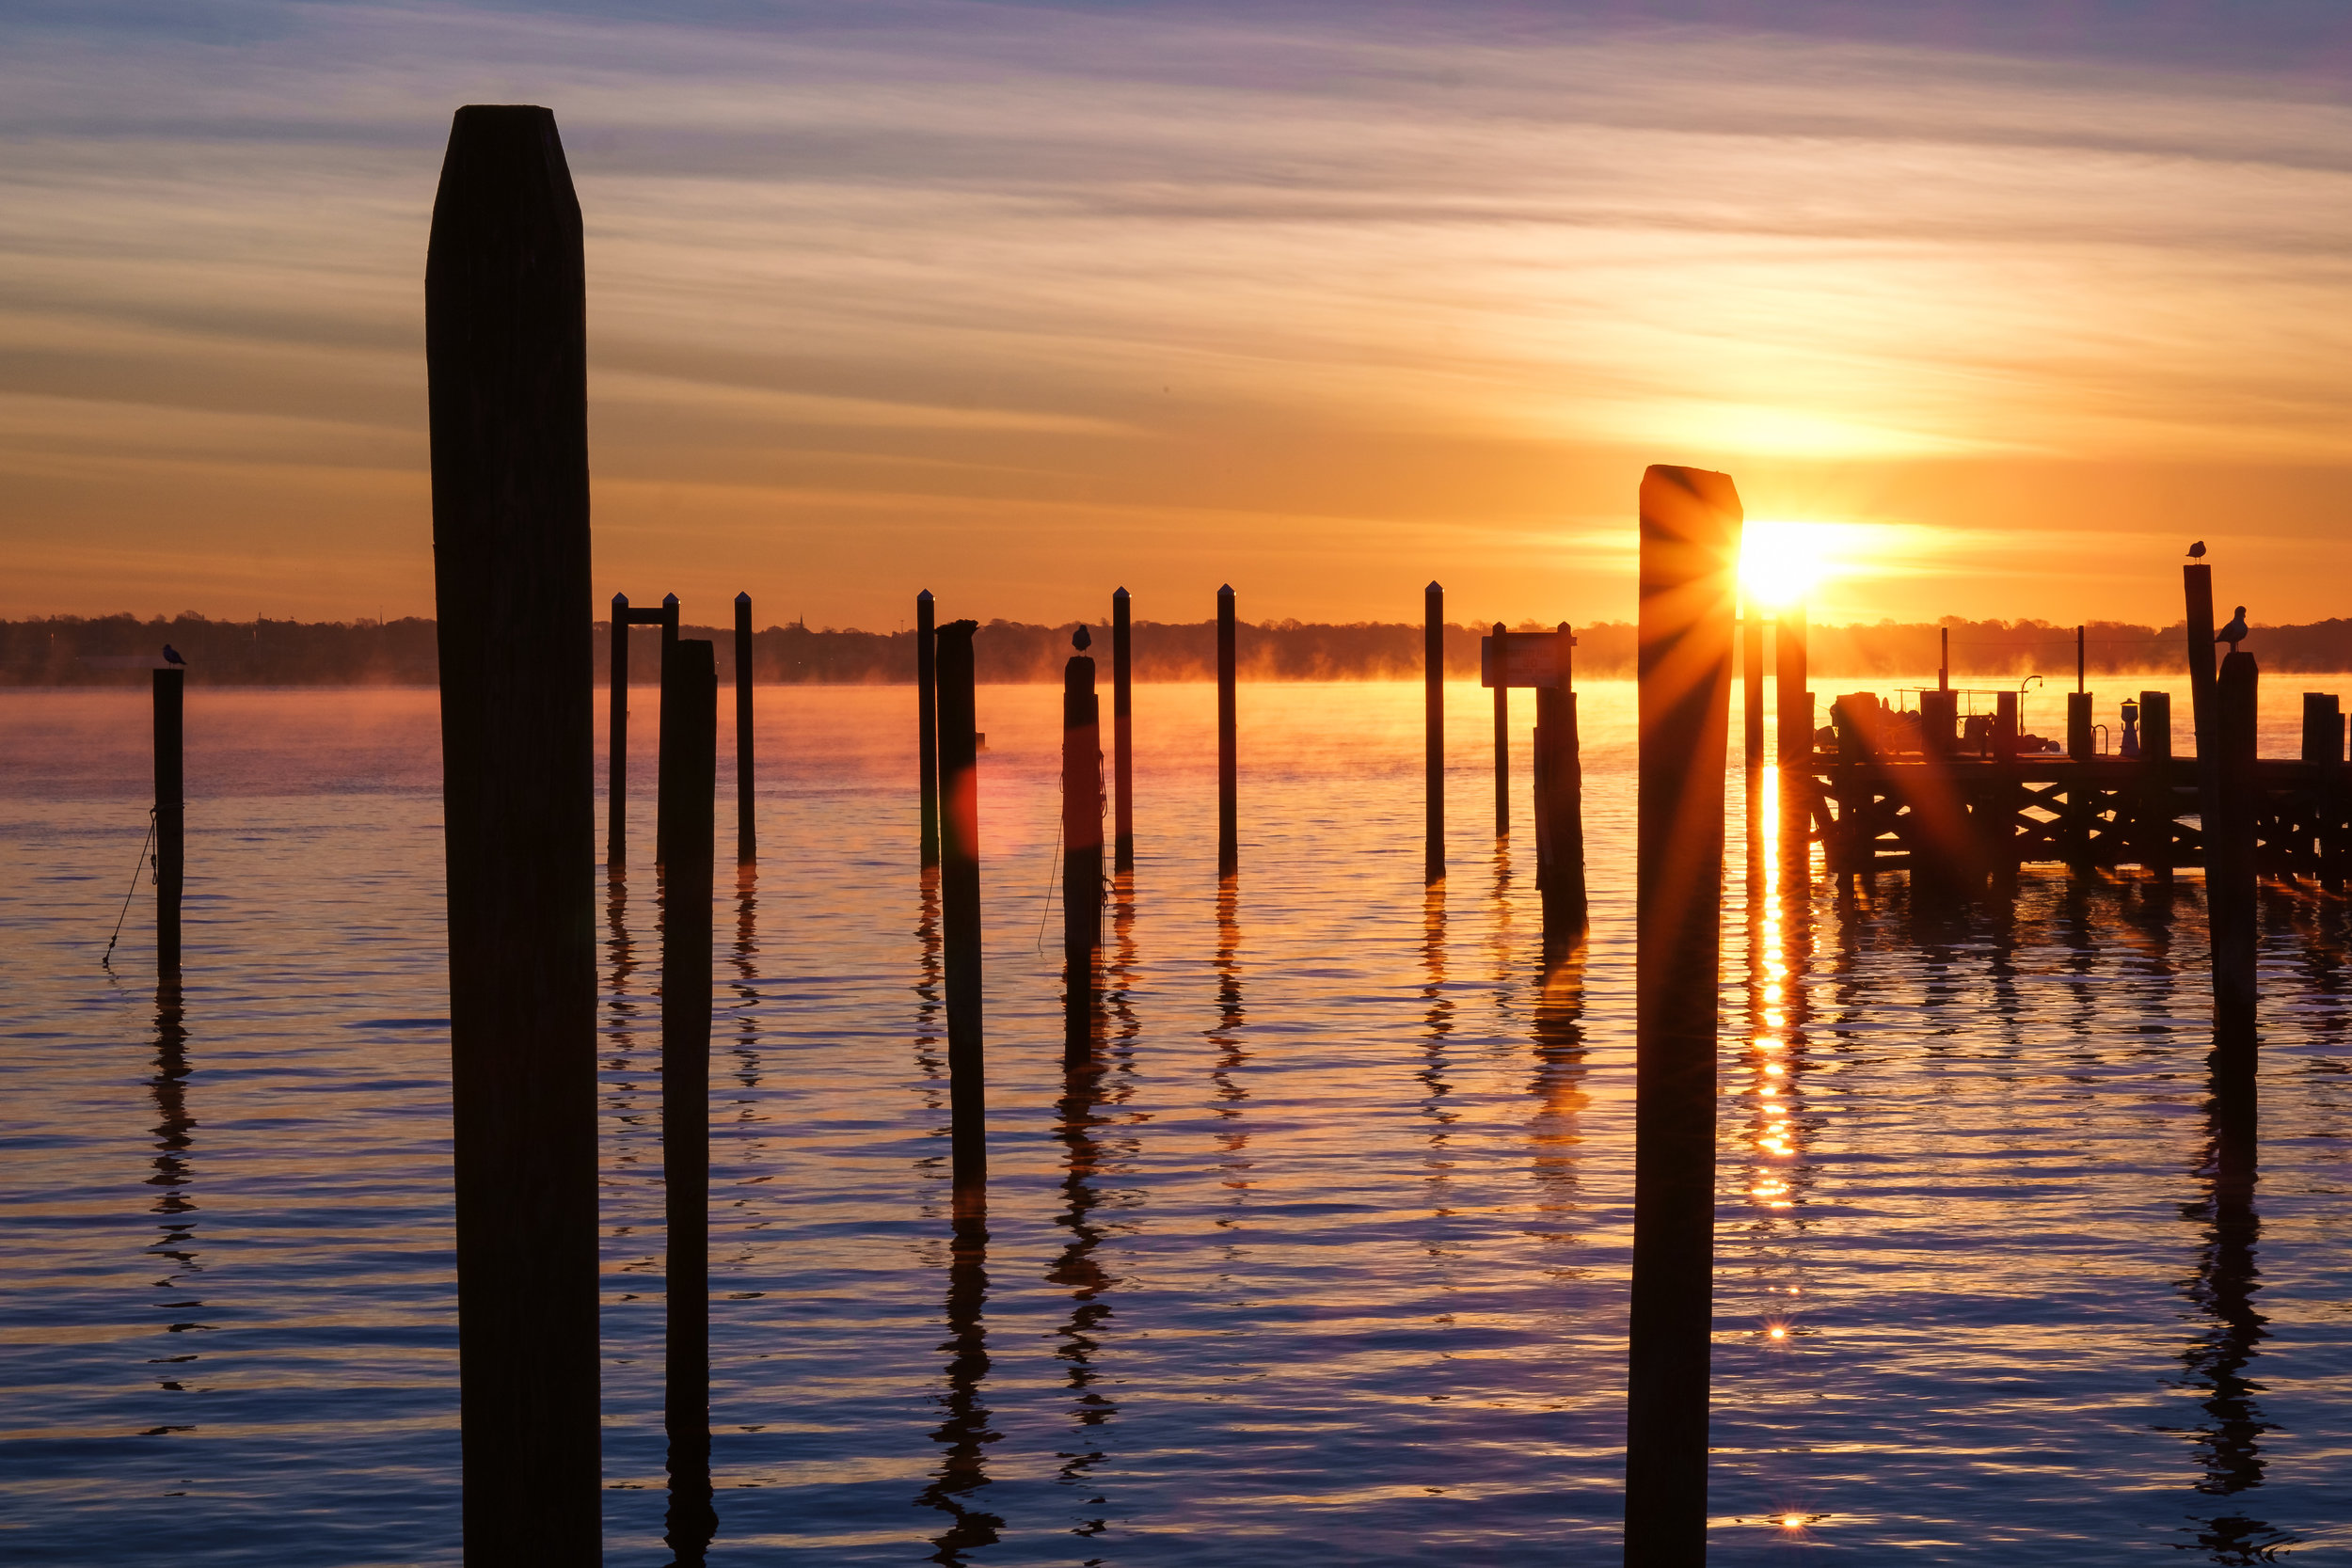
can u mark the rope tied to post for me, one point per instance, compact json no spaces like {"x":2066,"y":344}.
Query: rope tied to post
{"x":153,"y":875}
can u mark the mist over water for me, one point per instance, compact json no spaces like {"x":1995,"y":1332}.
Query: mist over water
{"x":1326,"y":1262}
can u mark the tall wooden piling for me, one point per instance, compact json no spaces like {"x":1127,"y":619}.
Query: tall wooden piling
{"x":1123,"y":736}
{"x":1691,"y":526}
{"x":2081,"y":667}
{"x":2230,"y":867}
{"x":746,"y":839}
{"x":616,"y":740}
{"x":1794,"y":703}
{"x":2197,"y":594}
{"x":506,"y":363}
{"x":1082,"y":852}
{"x":926,"y":723}
{"x":1433,"y":705}
{"x":1559,"y":799}
{"x":1752,"y":685}
{"x":960,"y":899}
{"x":1502,"y":733}
{"x":1228,"y":746}
{"x":171,"y":819}
{"x":687,"y":800}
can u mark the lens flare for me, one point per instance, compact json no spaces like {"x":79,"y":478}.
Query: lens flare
{"x":1781,"y":562}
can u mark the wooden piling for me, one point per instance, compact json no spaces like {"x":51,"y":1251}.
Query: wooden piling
{"x":1123,"y":736}
{"x":2002,"y":849}
{"x":1795,"y":706}
{"x":1082,"y":854}
{"x":2322,"y":728}
{"x":669,"y":637}
{"x":2079,"y":666}
{"x":1560,"y":800}
{"x":171,"y":820}
{"x":687,"y":802}
{"x":2081,"y":744}
{"x":1433,"y":705}
{"x":616,"y":741}
{"x":1228,"y":767}
{"x":1691,"y":526}
{"x":926,"y":723}
{"x":960,"y":899}
{"x":2155,"y":805}
{"x":2230,"y":867}
{"x":746,"y":839}
{"x":2197,"y":591}
{"x":1502,"y":734}
{"x":1752,"y":685}
{"x":506,"y":362}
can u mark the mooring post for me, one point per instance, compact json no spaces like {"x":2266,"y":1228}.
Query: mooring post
{"x":506,"y":366}
{"x":2078,"y":658}
{"x":1122,"y":735}
{"x":1691,"y":526}
{"x":617,"y":742}
{"x":171,"y":820}
{"x":2322,"y":744}
{"x":2158,"y":811}
{"x":960,"y":899}
{"x":1560,"y":797}
{"x":746,"y":840}
{"x":926,"y":723}
{"x":1752,"y":683}
{"x":1228,"y":812}
{"x":1943,"y":660}
{"x":2229,"y":868}
{"x":2196,"y":590}
{"x":1795,"y":706}
{"x":689,"y":788}
{"x":660,"y":824}
{"x":1082,"y":854}
{"x":1433,"y":703}
{"x":1502,"y":732}
{"x":2001,"y":822}
{"x":2081,"y":744}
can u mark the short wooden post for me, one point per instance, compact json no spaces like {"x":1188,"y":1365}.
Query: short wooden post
{"x":1691,"y":526}
{"x":746,"y":839}
{"x":960,"y":900}
{"x":1752,"y":685}
{"x":689,"y":788}
{"x":2229,"y":868}
{"x":171,"y":820}
{"x":1502,"y":733}
{"x":1228,"y":769}
{"x":2322,"y":728}
{"x":1433,"y":706}
{"x":2081,"y":744}
{"x":1795,"y":704}
{"x":617,"y":742}
{"x":506,"y":364}
{"x":1082,"y":852}
{"x":1122,"y":735}
{"x":2157,"y":810}
{"x":926,"y":723}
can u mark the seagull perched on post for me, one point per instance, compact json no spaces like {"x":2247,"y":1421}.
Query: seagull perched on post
{"x":1082,"y":640}
{"x":171,"y":655}
{"x":2234,"y":632}
{"x":2197,"y":551}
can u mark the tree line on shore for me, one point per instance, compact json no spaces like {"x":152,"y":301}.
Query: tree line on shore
{"x":71,"y":650}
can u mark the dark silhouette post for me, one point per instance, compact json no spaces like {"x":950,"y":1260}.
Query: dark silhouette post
{"x":2230,"y":870}
{"x":1560,"y":799}
{"x":1433,"y":664}
{"x":1228,"y":769}
{"x":1795,"y":704}
{"x":616,"y":741}
{"x":926,"y":723}
{"x":668,"y":622}
{"x":2196,"y":590}
{"x":2156,"y":808}
{"x":960,"y":899}
{"x":1752,"y":685}
{"x":171,"y":820}
{"x":1690,"y":524}
{"x":689,"y":791}
{"x":746,"y":839}
{"x":1122,"y":736}
{"x":505,"y":354}
{"x":1082,"y":851}
{"x":2079,"y":666}
{"x":2080,"y":743}
{"x":1502,"y":732}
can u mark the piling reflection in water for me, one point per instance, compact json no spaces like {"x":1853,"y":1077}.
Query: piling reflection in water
{"x":1234,"y":1139}
{"x":1554,"y":1132}
{"x":175,"y":1207}
{"x":1087,"y":1088}
{"x":1437,"y":1024}
{"x":964,"y":1432}
{"x":743,"y":956}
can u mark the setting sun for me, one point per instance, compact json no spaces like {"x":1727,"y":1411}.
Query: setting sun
{"x":1781,"y":562}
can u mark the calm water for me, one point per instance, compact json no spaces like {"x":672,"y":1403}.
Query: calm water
{"x":1327,"y":1266}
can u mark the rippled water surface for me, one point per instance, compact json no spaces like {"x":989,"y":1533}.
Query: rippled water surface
{"x":1328,"y":1265}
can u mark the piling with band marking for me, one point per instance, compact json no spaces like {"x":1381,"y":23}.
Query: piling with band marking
{"x":1082,"y":852}
{"x":926,"y":723}
{"x":1228,"y":810}
{"x":506,"y":361}
{"x":746,"y":839}
{"x":1691,"y":525}
{"x":1123,"y":736}
{"x":960,"y":900}
{"x":171,"y":819}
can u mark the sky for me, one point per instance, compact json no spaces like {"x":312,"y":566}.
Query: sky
{"x":1022,"y":303}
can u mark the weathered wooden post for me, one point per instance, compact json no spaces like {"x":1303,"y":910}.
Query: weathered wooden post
{"x":1502,"y":734}
{"x":1228,"y":769}
{"x":2081,"y":669}
{"x":687,"y":802}
{"x":2081,"y":744}
{"x":1752,"y":683}
{"x":1082,"y":852}
{"x":171,"y":820}
{"x":668,"y":622}
{"x":926,"y":721}
{"x":2001,"y":821}
{"x":1560,"y":797}
{"x":746,"y":840}
{"x":1122,"y":735}
{"x":960,"y":900}
{"x":1433,"y":703}
{"x":1691,"y":525}
{"x":616,"y":741}
{"x":2230,"y":867}
{"x":2322,"y":744}
{"x":2157,"y":810}
{"x":2322,"y":728}
{"x":2197,"y":591}
{"x":1794,"y":703}
{"x":506,"y":363}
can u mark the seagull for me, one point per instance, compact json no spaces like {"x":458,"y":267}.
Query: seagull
{"x":171,"y":655}
{"x":2234,"y":632}
{"x":2197,"y":551}
{"x":1082,"y":640}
